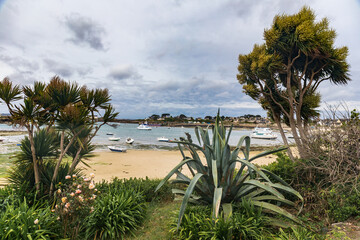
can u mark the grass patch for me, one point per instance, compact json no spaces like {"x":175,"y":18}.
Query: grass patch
{"x":5,"y":163}
{"x":157,"y":222}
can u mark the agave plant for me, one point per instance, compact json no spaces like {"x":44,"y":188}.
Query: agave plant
{"x":216,"y":180}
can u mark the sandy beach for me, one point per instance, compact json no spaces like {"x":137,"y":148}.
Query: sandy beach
{"x":142,"y":163}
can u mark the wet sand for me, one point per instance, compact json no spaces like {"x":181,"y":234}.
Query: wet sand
{"x":143,"y":163}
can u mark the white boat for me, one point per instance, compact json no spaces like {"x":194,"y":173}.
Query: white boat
{"x":114,"y":139}
{"x":143,"y":127}
{"x":109,"y":133}
{"x":264,"y":135}
{"x":129,"y":140}
{"x":162,"y":139}
{"x":262,"y":130}
{"x":116,"y":149}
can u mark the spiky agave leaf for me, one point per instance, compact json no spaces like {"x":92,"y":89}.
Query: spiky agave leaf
{"x":216,"y":181}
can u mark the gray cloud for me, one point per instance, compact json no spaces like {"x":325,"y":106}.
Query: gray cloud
{"x":85,"y":31}
{"x":64,"y":70}
{"x":122,"y":72}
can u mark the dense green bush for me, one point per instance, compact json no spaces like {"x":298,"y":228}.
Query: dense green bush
{"x":145,"y":186}
{"x":116,"y":214}
{"x":247,"y":222}
{"x":342,"y":204}
{"x":284,"y":167}
{"x":19,"y":221}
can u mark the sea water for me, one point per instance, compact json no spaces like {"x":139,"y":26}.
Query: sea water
{"x":147,"y":139}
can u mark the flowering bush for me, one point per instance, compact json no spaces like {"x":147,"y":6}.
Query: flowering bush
{"x":21,"y":221}
{"x":75,"y":201}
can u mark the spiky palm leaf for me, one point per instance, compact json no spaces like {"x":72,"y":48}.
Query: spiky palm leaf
{"x":218,"y":182}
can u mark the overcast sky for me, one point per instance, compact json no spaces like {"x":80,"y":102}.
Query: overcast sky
{"x":159,"y":56}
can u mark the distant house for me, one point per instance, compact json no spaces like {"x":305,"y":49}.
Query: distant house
{"x":165,"y":115}
{"x":208,"y":118}
{"x":154,"y":117}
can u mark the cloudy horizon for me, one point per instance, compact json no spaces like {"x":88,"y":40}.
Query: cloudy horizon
{"x":177,"y":57}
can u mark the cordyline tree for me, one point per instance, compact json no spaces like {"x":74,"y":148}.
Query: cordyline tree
{"x":284,"y":73}
{"x":61,"y":106}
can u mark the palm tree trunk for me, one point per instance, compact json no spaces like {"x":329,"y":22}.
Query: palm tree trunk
{"x":76,"y":161}
{"x":33,"y":153}
{"x":57,"y":167}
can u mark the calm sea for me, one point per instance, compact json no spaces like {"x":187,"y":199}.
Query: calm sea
{"x":147,"y":139}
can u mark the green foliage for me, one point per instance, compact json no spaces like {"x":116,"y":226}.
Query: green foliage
{"x":247,"y":222}
{"x":21,"y":174}
{"x":216,"y":183}
{"x":284,"y":167}
{"x":341,"y":204}
{"x":20,"y":221}
{"x":144,"y":186}
{"x":297,"y":233}
{"x":115,"y":215}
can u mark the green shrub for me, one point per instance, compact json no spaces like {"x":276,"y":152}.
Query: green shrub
{"x":298,"y":233}
{"x":247,"y":222}
{"x":115,"y":215}
{"x":20,"y":221}
{"x":342,"y":204}
{"x":284,"y":167}
{"x":145,"y":186}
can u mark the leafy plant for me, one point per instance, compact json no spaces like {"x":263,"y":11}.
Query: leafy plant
{"x":145,"y":186}
{"x":284,"y":167}
{"x":20,"y":221}
{"x":115,"y":215}
{"x":247,"y":222}
{"x":215,"y":181}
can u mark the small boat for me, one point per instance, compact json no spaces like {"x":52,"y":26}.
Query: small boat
{"x":162,"y":139}
{"x":109,"y":133}
{"x":116,"y":149}
{"x":129,"y":140}
{"x":143,"y":127}
{"x":290,"y":136}
{"x":262,"y":130}
{"x":114,"y":139}
{"x":264,"y":135}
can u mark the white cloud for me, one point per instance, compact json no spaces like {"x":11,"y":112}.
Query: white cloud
{"x":182,"y":53}
{"x":237,"y":105}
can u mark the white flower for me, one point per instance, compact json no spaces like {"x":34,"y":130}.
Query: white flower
{"x":59,"y":190}
{"x":36,"y":221}
{"x":92,"y":175}
{"x":67,"y":177}
{"x":74,"y":176}
{"x":91,"y":186}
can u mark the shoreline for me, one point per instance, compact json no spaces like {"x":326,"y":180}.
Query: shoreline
{"x":143,"y":163}
{"x":154,"y":164}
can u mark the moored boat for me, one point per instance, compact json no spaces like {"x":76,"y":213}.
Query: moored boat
{"x":162,"y":139}
{"x":143,"y":127}
{"x":109,"y":133}
{"x":129,"y":140}
{"x":114,"y":139}
{"x":116,"y":149}
{"x":264,"y":135}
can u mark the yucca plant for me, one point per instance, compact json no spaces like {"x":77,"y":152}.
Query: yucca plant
{"x":216,"y":181}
